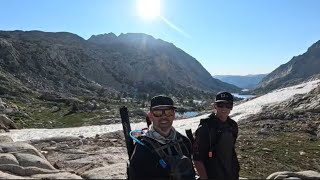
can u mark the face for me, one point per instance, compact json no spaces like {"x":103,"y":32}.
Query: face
{"x":223,"y":109}
{"x":162,"y":119}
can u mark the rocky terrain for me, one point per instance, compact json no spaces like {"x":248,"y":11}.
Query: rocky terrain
{"x":283,"y":141}
{"x":283,"y":137}
{"x":261,"y":155}
{"x":22,"y":161}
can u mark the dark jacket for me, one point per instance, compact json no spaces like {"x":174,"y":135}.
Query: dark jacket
{"x":218,"y":138}
{"x":144,"y":163}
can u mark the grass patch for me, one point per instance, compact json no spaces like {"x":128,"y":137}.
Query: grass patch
{"x":260,"y":156}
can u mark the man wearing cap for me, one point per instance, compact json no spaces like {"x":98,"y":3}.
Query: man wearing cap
{"x":214,"y":153}
{"x":164,"y":153}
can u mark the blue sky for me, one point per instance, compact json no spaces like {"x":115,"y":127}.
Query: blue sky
{"x":227,"y":37}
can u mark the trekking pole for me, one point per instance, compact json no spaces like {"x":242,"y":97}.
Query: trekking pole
{"x":126,"y":130}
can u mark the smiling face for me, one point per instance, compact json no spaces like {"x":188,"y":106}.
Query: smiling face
{"x":223,"y":110}
{"x":162,"y":119}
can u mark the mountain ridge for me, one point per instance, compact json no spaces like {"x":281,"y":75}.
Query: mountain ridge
{"x":131,"y":63}
{"x":249,"y":81}
{"x":298,"y":69}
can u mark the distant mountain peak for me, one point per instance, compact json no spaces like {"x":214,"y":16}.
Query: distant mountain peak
{"x":249,"y":81}
{"x":136,"y":35}
{"x":103,"y":38}
{"x":315,"y":47}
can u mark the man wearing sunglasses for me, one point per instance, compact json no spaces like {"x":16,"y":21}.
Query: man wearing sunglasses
{"x":214,"y":153}
{"x":162,"y":153}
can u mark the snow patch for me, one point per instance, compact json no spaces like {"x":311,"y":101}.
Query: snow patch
{"x":239,"y":112}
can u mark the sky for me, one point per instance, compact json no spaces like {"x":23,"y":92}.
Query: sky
{"x":236,"y":37}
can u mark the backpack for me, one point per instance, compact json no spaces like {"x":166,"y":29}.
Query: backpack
{"x":179,"y":166}
{"x":215,"y":131}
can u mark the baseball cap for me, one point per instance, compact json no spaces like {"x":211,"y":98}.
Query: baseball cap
{"x":224,"y":96}
{"x":161,"y":101}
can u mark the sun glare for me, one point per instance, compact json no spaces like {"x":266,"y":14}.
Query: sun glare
{"x":148,"y":9}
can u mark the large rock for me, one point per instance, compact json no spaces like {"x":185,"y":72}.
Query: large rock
{"x":62,"y":175}
{"x":112,"y":171}
{"x":295,"y":175}
{"x":3,"y":105}
{"x":25,"y":171}
{"x":4,"y":175}
{"x":27,"y":160}
{"x":6,"y":158}
{"x":5,"y":139}
{"x":20,"y":147}
{"x":6,"y":123}
{"x":23,"y":161}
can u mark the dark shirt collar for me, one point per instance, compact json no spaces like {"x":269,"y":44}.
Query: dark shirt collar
{"x":214,"y":117}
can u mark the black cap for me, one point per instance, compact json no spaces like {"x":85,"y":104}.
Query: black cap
{"x":161,"y":101}
{"x":224,"y":96}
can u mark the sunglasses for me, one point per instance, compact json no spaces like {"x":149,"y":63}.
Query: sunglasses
{"x":160,"y":112}
{"x":225,"y":105}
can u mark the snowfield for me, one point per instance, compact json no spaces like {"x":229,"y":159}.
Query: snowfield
{"x":239,"y":112}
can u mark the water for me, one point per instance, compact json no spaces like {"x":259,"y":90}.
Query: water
{"x":246,"y":96}
{"x":188,"y":114}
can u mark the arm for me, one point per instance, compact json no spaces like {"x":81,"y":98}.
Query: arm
{"x":136,"y":167}
{"x":201,"y":150}
{"x":144,"y":164}
{"x":201,"y":170}
{"x":133,"y":170}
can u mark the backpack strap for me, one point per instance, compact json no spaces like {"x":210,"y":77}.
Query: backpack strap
{"x":182,"y":145}
{"x":215,"y":131}
{"x":159,"y":150}
{"x":233,"y":128}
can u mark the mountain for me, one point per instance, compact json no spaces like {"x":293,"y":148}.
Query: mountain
{"x":103,"y":65}
{"x":298,"y":69}
{"x":246,"y":82}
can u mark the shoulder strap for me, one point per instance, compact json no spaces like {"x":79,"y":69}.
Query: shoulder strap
{"x":212,"y":129}
{"x":181,"y":144}
{"x":157,"y":150}
{"x":215,"y":130}
{"x":233,"y":128}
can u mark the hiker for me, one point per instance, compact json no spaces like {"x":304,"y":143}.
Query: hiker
{"x":162,"y":153}
{"x":214,"y":153}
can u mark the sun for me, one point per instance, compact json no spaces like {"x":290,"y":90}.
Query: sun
{"x":148,"y":9}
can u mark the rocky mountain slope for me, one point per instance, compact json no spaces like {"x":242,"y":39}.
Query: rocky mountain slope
{"x":246,"y":82}
{"x":298,"y":69}
{"x":150,"y":62}
{"x":62,"y":80}
{"x":131,"y":63}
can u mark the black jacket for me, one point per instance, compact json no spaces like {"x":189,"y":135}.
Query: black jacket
{"x":219,"y":138}
{"x":144,"y":163}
